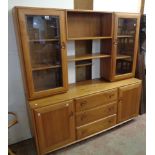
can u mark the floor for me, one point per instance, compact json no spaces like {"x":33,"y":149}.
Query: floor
{"x":127,"y":139}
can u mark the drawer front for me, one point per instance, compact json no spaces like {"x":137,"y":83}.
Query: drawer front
{"x":96,"y":113}
{"x":95,"y":127}
{"x":90,"y":101}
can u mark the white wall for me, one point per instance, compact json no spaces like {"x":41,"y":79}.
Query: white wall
{"x":117,"y":5}
{"x":16,"y":98}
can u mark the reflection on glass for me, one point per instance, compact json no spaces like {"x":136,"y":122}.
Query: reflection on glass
{"x":123,"y":66}
{"x":43,"y":27}
{"x":45,"y":51}
{"x":125,"y":45}
{"x":126,"y":26}
{"x":47,"y":79}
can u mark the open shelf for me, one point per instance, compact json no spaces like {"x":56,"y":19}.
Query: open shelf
{"x":123,"y":57}
{"x":41,"y":40}
{"x":83,"y":70}
{"x":86,"y":25}
{"x":88,"y":57}
{"x":43,"y":67}
{"x":90,"y":38}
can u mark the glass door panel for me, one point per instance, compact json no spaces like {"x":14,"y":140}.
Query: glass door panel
{"x":45,"y":51}
{"x":126,"y":26}
{"x":125,"y":42}
{"x":43,"y":27}
{"x":47,"y":79}
{"x":45,"y":54}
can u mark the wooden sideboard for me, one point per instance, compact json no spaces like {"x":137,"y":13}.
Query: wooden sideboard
{"x":88,"y":108}
{"x":61,"y":113}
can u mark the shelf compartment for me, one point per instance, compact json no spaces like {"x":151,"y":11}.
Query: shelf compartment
{"x":90,"y":38}
{"x":83,"y":47}
{"x":88,"y":25}
{"x":83,"y":70}
{"x":43,"y":67}
{"x":88,"y":57}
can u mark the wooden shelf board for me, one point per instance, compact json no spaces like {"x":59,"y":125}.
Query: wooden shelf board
{"x":88,"y":57}
{"x":43,"y":67}
{"x":89,"y":38}
{"x":123,"y":57}
{"x":86,"y":11}
{"x":83,"y":65}
{"x":125,"y":36}
{"x":38,"y":40}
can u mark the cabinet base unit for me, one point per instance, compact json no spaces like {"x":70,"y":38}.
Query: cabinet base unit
{"x":88,"y":108}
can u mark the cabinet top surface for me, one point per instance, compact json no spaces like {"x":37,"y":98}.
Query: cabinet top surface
{"x":81,"y":89}
{"x":74,"y":10}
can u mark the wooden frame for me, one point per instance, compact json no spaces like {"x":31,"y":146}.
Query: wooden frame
{"x":20,"y":13}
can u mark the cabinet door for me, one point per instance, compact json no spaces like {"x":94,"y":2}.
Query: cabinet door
{"x":55,"y":126}
{"x":129,"y":100}
{"x":43,"y":39}
{"x":125,"y":45}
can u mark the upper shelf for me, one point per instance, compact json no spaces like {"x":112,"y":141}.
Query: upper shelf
{"x":88,"y":25}
{"x":88,"y":57}
{"x":89,"y":38}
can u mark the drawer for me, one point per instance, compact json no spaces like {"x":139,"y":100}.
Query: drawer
{"x":95,"y":127}
{"x":96,"y":113}
{"x":91,"y":101}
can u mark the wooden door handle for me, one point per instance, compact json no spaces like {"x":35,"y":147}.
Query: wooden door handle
{"x":110,"y":109}
{"x":63,"y":45}
{"x":83,"y":103}
{"x":115,"y":42}
{"x":83,"y":116}
{"x":111,"y":95}
{"x":71,"y":114}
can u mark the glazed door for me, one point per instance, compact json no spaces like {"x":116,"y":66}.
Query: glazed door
{"x":55,"y":126}
{"x":44,"y":52}
{"x":129,"y":101}
{"x":125,"y":45}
